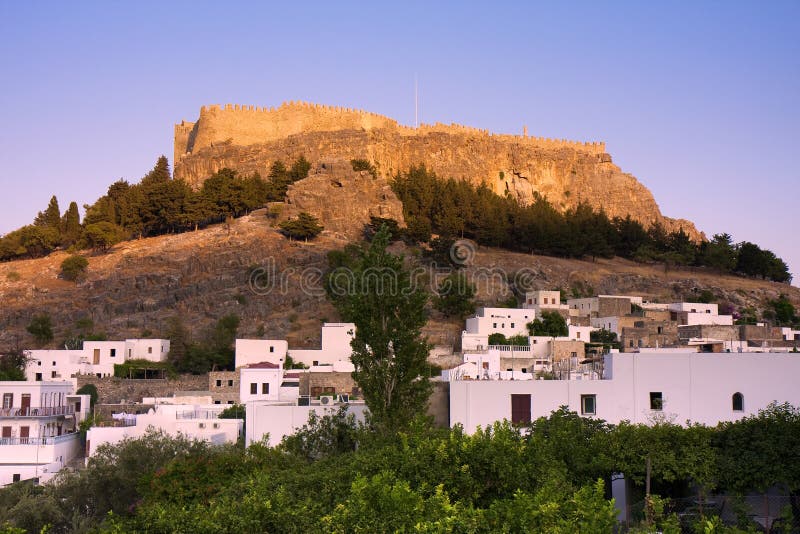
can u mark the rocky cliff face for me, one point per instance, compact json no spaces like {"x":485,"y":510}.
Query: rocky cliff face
{"x":564,"y":172}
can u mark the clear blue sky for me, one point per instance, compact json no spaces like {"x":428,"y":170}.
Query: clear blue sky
{"x":698,"y":100}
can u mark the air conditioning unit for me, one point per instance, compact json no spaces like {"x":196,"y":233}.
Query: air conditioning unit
{"x":327,"y":400}
{"x":344,"y":397}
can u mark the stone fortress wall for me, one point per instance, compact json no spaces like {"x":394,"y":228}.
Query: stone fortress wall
{"x":248,"y":125}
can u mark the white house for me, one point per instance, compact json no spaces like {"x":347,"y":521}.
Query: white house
{"x":641,"y":388}
{"x":260,"y":381}
{"x":38,"y":424}
{"x":278,"y":419}
{"x":192,"y":421}
{"x":261,"y":350}
{"x":487,"y":321}
{"x":541,"y":300}
{"x":96,"y":358}
{"x":698,"y":313}
{"x":335,"y":346}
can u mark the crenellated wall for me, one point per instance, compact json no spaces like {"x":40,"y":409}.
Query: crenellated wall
{"x":248,"y":125}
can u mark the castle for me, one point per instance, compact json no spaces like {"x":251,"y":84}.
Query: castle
{"x":248,"y":125}
{"x":249,"y":139}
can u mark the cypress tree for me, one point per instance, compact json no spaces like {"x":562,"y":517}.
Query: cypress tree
{"x":71,"y":225}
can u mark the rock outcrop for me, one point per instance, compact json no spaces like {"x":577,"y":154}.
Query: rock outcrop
{"x":565,"y":172}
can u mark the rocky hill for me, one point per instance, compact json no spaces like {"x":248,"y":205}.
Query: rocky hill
{"x":247,"y":267}
{"x":249,"y":139}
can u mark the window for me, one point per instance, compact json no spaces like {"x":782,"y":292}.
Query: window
{"x":16,"y":477}
{"x":520,"y":409}
{"x":219,"y":383}
{"x":8,"y":400}
{"x":315,"y":362}
{"x":737,"y":402}
{"x":54,"y":364}
{"x":230,"y":383}
{"x":588,"y":404}
{"x":578,"y":335}
{"x":149,"y":350}
{"x":494,"y":325}
{"x":38,"y":377}
{"x":53,"y":374}
{"x":660,"y":329}
{"x":201,"y":425}
{"x":230,"y":402}
{"x":512,"y":325}
{"x":39,"y":363}
{"x":113,"y":352}
{"x":265,"y":388}
{"x":216,"y":425}
{"x":217,"y":402}
{"x":656,"y":401}
{"x":253,"y":389}
{"x":524,"y":369}
{"x":271,"y":348}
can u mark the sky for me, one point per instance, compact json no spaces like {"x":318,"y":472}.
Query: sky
{"x":699,"y":100}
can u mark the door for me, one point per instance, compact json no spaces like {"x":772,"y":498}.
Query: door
{"x":25,"y":405}
{"x":24,"y":434}
{"x":6,"y":433}
{"x":96,"y":359}
{"x":520,"y":409}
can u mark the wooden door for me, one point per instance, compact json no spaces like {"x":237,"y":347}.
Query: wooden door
{"x":25,"y":403}
{"x":6,"y":431}
{"x":24,"y":434}
{"x":520,"y":409}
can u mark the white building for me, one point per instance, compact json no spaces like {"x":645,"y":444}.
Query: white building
{"x":261,"y":350}
{"x":276,"y":420}
{"x":38,"y":424}
{"x":698,"y":313}
{"x":260,"y":381}
{"x":641,"y":388}
{"x":335,"y":346}
{"x":192,"y":421}
{"x":507,"y":321}
{"x":542,"y":300}
{"x":96,"y":358}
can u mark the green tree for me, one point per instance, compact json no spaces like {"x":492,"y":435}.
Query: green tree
{"x":305,"y":226}
{"x":456,"y":296}
{"x":74,"y":268}
{"x":50,"y":218}
{"x":719,"y":253}
{"x":102,"y":235}
{"x":71,"y":225}
{"x":41,"y":328}
{"x":782,"y":310}
{"x":550,"y":324}
{"x":91,"y":390}
{"x":389,"y":352}
{"x":160,"y":173}
{"x":606,"y":337}
{"x":12,"y":365}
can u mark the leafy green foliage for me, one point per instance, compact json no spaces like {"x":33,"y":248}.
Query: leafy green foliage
{"x":456,"y":296}
{"x":606,"y":337}
{"x":364,"y":165}
{"x":372,"y":288}
{"x":41,"y":328}
{"x":71,"y":225}
{"x":12,"y":365}
{"x":214,"y":349}
{"x":549,"y":324}
{"x":91,"y":390}
{"x":337,"y":476}
{"x":74,"y":268}
{"x":305,"y":226}
{"x":500,"y":339}
{"x":782,"y":311}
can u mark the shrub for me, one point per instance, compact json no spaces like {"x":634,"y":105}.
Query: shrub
{"x":74,"y":268}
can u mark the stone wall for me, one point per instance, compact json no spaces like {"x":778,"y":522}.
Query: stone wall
{"x":112,"y":390}
{"x":224,"y":386}
{"x":613,"y":306}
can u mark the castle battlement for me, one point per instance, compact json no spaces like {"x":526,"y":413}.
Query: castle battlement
{"x":247,"y":125}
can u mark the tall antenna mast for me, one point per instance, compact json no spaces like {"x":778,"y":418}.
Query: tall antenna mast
{"x":416,"y":103}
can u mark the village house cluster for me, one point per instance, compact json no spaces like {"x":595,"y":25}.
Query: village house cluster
{"x":680,"y":362}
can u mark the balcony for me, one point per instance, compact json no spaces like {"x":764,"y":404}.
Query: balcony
{"x":51,"y":411}
{"x":52,"y":440}
{"x":198,"y":414}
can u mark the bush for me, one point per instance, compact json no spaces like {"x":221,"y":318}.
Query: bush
{"x":91,"y":390}
{"x":74,"y":268}
{"x":41,"y":328}
{"x":305,"y":226}
{"x":13,"y":276}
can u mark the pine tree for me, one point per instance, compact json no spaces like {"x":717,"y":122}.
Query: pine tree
{"x":159,"y":174}
{"x":50,"y":219}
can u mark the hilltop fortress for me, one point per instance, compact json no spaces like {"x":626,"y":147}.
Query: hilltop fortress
{"x":249,"y":139}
